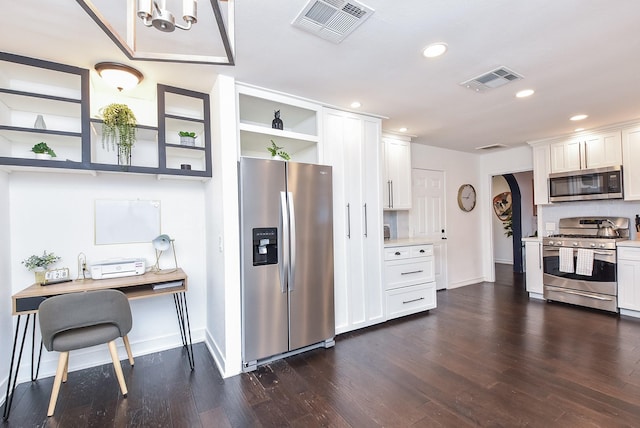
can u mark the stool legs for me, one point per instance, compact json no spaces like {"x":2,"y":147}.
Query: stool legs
{"x":60,"y":373}
{"x":118,"y":367}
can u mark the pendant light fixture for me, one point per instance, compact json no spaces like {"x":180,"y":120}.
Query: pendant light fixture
{"x":119,"y":76}
{"x":154,"y":13}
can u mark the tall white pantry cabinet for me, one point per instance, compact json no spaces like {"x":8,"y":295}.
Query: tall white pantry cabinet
{"x":352,"y":148}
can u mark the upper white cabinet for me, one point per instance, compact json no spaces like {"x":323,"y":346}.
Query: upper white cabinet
{"x":586,"y":152}
{"x":299,"y":135}
{"x":396,"y":183}
{"x":631,"y":156}
{"x":541,"y":168}
{"x":352,"y":148}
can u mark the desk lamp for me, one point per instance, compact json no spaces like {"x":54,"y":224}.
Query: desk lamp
{"x":162,"y":244}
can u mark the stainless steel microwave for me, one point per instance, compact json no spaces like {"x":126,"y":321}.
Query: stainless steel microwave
{"x":586,"y":184}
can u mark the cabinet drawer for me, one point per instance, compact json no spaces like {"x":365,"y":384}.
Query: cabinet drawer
{"x":626,"y":253}
{"x":408,"y":272}
{"x":409,"y":300}
{"x":397,"y":253}
{"x":422,"y":250}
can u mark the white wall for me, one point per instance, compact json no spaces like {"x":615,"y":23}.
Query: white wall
{"x":502,"y":245}
{"x":464,"y":265}
{"x":55,"y":212}
{"x":5,"y":284}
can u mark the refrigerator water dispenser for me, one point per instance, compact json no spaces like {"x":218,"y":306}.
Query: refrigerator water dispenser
{"x":265,"y":246}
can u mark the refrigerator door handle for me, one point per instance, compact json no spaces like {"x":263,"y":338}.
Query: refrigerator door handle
{"x":292,"y":228}
{"x":349,"y":221}
{"x":284,"y":242}
{"x":365,"y":221}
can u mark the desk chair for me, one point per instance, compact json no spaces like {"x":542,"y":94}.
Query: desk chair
{"x":80,"y":320}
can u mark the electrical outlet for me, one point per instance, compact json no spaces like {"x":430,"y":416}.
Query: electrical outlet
{"x":550,"y":227}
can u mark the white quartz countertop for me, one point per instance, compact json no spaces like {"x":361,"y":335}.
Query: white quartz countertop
{"x":635,"y":244}
{"x":531,"y":239}
{"x":403,"y":242}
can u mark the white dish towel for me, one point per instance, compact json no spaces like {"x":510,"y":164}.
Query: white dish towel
{"x":584,"y":263}
{"x":566,"y":260}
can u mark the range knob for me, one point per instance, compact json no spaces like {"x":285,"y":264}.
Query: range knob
{"x":575,"y":244}
{"x":602,"y":245}
{"x":593,"y":244}
{"x":558,"y":243}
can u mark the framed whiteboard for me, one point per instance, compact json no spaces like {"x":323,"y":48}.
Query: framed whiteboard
{"x":126,"y":222}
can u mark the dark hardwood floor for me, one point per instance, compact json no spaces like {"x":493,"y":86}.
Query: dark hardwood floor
{"x":487,"y":356}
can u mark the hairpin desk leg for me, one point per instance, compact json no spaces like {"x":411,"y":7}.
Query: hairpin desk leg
{"x":11,"y":383}
{"x":182,"y":311}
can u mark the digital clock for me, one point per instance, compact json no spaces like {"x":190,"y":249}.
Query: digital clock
{"x":53,"y":276}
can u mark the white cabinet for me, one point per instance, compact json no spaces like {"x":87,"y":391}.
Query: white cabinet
{"x":631,"y":160}
{"x":353,"y":150}
{"x":534,"y":271}
{"x":586,"y":152}
{"x":397,"y":173}
{"x":299,"y":135}
{"x":409,"y":273}
{"x":541,"y":168}
{"x":629,"y":280}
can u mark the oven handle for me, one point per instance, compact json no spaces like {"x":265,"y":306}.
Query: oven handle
{"x":591,"y":296}
{"x":601,"y":253}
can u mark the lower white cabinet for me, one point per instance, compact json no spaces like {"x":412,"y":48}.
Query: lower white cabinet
{"x":533,"y":266}
{"x":409,"y":273}
{"x":629,"y":280}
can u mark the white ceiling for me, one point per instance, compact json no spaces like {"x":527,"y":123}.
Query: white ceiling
{"x":581,"y":56}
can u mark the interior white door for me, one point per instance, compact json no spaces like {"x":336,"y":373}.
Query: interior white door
{"x":427,"y":216}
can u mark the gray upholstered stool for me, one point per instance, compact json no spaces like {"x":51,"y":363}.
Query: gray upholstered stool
{"x":80,"y":320}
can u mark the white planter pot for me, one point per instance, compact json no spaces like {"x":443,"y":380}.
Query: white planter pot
{"x":188,"y":141}
{"x":45,"y":156}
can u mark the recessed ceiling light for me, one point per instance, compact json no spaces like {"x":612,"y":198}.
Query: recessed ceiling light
{"x":434,"y":50}
{"x":356,"y":104}
{"x":578,"y":117}
{"x":525,"y":93}
{"x":579,"y":129}
{"x":403,"y":129}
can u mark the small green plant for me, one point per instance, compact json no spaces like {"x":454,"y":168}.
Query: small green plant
{"x":275,"y":150}
{"x":118,"y":128}
{"x":42,"y":148}
{"x":187,"y":134}
{"x":43,"y":261}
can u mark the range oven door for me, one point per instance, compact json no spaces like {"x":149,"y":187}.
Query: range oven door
{"x":596,"y":291}
{"x":602,"y":280}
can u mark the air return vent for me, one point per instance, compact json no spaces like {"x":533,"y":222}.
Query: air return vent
{"x":491,"y":147}
{"x":493,"y":79}
{"x":332,"y":20}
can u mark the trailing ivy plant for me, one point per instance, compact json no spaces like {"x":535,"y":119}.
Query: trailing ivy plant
{"x":118,"y":128}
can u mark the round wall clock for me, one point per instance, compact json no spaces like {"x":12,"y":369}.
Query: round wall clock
{"x":466,"y":197}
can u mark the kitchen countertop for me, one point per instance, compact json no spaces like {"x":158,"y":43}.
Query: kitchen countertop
{"x":635,"y":244}
{"x":403,"y":242}
{"x":531,"y":239}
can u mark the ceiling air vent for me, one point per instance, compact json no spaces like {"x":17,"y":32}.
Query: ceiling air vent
{"x":332,"y":20}
{"x":493,"y":79}
{"x":491,"y":147}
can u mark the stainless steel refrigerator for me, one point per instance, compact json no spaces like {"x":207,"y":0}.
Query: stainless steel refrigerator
{"x":286,"y":218}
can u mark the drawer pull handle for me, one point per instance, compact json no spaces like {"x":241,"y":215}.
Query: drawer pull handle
{"x":397,"y":253}
{"x":422,"y":251}
{"x":414,"y":300}
{"x":414,"y":271}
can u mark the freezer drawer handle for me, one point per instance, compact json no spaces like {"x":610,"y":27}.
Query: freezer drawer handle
{"x":414,"y":271}
{"x":411,"y":301}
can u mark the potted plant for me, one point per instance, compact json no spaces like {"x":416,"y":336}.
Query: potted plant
{"x":277,"y":152}
{"x":119,"y":130}
{"x":43,"y":151}
{"x":187,"y":138}
{"x":39,"y":264}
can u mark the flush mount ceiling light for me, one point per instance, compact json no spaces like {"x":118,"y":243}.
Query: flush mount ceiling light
{"x":119,"y":75}
{"x":356,"y":104}
{"x":579,"y":129}
{"x":578,"y":117}
{"x":525,"y":93}
{"x":403,"y":129}
{"x":157,"y":15}
{"x":132,"y":25}
{"x":434,"y":50}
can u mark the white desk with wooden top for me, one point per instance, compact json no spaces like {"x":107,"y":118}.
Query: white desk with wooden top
{"x":151,"y":284}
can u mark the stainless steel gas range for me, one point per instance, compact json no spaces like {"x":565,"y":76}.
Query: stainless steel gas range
{"x":580,"y":262}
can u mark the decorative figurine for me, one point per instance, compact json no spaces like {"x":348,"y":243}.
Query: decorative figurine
{"x":277,"y":122}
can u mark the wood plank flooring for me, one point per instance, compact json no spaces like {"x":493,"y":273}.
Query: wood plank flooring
{"x":487,"y":356}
